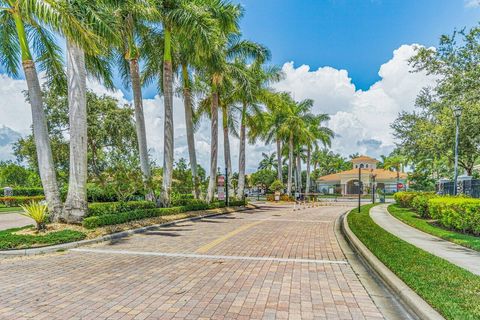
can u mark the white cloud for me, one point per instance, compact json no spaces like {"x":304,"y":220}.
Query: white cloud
{"x":361,"y":119}
{"x":472,"y":3}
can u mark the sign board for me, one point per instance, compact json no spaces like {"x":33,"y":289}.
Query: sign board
{"x":400,"y":185}
{"x":221,"y":181}
{"x":277,"y":196}
{"x":221,"y":193}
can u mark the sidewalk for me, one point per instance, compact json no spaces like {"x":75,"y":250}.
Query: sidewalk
{"x":456,"y":254}
{"x":13,"y":220}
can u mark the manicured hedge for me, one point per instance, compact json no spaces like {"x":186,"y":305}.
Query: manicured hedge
{"x":462,"y":214}
{"x":451,"y":290}
{"x":185,"y":201}
{"x":27,"y":192}
{"x":283,"y":197}
{"x":105,"y":208}
{"x":405,"y":198}
{"x":17,"y":201}
{"x":420,"y":204}
{"x":122,"y":217}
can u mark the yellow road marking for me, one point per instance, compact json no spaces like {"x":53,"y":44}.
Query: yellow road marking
{"x":217,"y":241}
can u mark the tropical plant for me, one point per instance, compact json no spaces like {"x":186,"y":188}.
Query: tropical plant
{"x":220,"y":65}
{"x":297,"y":114}
{"x":24,"y":40}
{"x":38,"y":212}
{"x":268,"y":162}
{"x":132,"y":19}
{"x":277,"y":186}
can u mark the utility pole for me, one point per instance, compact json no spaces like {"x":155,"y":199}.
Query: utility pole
{"x":226,"y":187}
{"x":359,"y":187}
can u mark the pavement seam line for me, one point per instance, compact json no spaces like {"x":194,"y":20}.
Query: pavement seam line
{"x":227,"y":236}
{"x":207,"y":256}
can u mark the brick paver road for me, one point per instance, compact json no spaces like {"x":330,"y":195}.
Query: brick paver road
{"x":271,"y":263}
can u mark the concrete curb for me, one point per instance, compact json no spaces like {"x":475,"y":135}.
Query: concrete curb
{"x":411,"y":299}
{"x":109,"y":237}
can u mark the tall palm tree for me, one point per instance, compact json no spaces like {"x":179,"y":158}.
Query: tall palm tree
{"x":273,"y":118}
{"x":22,"y":30}
{"x":315,"y":134}
{"x":268,"y":162}
{"x":297,"y":114}
{"x":253,"y":91}
{"x":132,"y":19}
{"x":222,"y":64}
{"x":177,"y":17}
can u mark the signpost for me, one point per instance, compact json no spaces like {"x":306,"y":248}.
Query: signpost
{"x":221,"y":187}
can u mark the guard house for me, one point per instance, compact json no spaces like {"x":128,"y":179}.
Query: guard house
{"x":346,"y":182}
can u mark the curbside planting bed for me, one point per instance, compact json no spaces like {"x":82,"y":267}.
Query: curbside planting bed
{"x":449,"y":289}
{"x":105,"y":227}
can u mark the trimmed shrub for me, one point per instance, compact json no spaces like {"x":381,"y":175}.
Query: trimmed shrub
{"x":185,"y":202}
{"x":420,"y":204}
{"x":237,"y":203}
{"x":122,"y":217}
{"x":27,"y":192}
{"x":283,"y":197}
{"x":405,"y":198}
{"x":106,"y":208}
{"x":462,"y":214}
{"x":18,"y":201}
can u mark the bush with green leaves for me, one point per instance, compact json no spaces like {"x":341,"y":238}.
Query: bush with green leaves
{"x":420,"y":204}
{"x":105,"y":208}
{"x":277,"y":186}
{"x":405,"y":198}
{"x":462,"y":214}
{"x":123,"y":217}
{"x":18,"y":201}
{"x":27,"y":192}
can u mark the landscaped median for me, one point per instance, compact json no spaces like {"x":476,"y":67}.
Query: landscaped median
{"x":110,"y":218}
{"x":456,"y":219}
{"x":449,"y":289}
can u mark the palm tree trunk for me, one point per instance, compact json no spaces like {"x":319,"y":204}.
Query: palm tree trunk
{"x":213,"y":146}
{"x":241,"y":156}
{"x":43,"y":148}
{"x":299,"y":174}
{"x":290,"y":165}
{"x":187,"y":101}
{"x":42,"y":142}
{"x":76,"y":203}
{"x":140,"y":123}
{"x":307,"y":187}
{"x":168,"y":122}
{"x":279,"y":160}
{"x":226,"y":146}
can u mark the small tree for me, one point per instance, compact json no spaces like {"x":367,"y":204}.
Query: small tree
{"x":38,"y":212}
{"x":277,"y":186}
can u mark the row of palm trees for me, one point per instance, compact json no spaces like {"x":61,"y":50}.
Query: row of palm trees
{"x":151,"y":41}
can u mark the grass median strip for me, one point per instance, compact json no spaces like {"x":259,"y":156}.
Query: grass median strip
{"x":409,"y":217}
{"x":9,"y":239}
{"x":451,"y":290}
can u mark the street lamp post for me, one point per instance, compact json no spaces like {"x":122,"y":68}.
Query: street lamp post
{"x":457,"y":111}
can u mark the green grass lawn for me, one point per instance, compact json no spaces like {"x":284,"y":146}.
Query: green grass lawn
{"x":451,"y":290}
{"x":411,"y":218}
{"x":10,"y":209}
{"x":9,"y":240}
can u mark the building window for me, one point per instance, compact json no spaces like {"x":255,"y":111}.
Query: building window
{"x":366,"y":166}
{"x":361,"y":166}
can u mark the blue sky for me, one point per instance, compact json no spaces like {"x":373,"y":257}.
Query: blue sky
{"x":356,"y":35}
{"x":346,"y":39}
